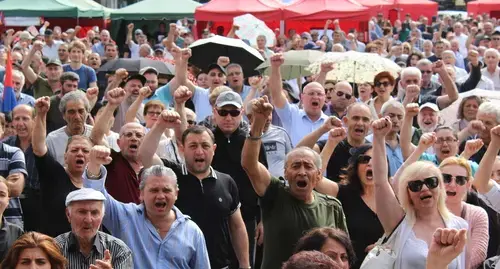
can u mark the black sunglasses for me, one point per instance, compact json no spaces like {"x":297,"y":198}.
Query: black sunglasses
{"x":347,"y":96}
{"x":430,"y":182}
{"x":460,"y":180}
{"x":385,"y":84}
{"x":191,"y":122}
{"x":233,"y":113}
{"x":364,"y":159}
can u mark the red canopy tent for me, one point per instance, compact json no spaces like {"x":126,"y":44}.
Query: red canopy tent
{"x":416,"y":8}
{"x":491,"y":7}
{"x":327,"y":9}
{"x":226,"y":10}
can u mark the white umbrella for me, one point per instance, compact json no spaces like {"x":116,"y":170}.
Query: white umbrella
{"x":251,"y":28}
{"x":449,"y":114}
{"x":355,"y":67}
{"x":295,"y":65}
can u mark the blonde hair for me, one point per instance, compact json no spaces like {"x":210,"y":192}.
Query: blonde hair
{"x":457,"y":161}
{"x":413,"y":172}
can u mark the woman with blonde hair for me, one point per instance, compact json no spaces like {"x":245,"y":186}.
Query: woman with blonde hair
{"x":457,"y":178}
{"x":34,"y":250}
{"x":420,"y":210}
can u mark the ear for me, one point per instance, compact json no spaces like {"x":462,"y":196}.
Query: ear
{"x":67,"y":214}
{"x":214,"y":147}
{"x":141,"y":196}
{"x":345,"y":120}
{"x":181,"y":148}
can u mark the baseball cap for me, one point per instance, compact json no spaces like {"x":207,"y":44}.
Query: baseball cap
{"x":138,"y":32}
{"x":429,"y":105}
{"x":306,"y":35}
{"x":138,"y":77}
{"x":54,"y":62}
{"x":229,"y":98}
{"x":216,"y":66}
{"x":48,"y":32}
{"x":497,"y":32}
{"x":485,"y":37}
{"x":25,"y":35}
{"x":84,"y":194}
{"x":148,"y":69}
{"x":158,"y":48}
{"x":311,"y":46}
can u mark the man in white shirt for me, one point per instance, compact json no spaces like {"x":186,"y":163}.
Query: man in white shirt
{"x":491,"y":71}
{"x":50,"y":49}
{"x":461,"y":37}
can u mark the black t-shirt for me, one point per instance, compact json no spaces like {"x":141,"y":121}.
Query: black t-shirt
{"x":55,"y":185}
{"x":434,"y":58}
{"x":338,"y":161}
{"x":358,"y":215}
{"x":209,"y":202}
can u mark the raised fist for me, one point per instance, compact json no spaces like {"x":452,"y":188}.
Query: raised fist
{"x":100,"y":155}
{"x":475,"y":126}
{"x":169,"y":119}
{"x":92,"y":93}
{"x":412,"y":110}
{"x":182,"y":94}
{"x":473,"y":57}
{"x":261,"y":109}
{"x":445,"y":246}
{"x":223,"y":61}
{"x":277,"y":60}
{"x":331,"y":122}
{"x":145,"y":91}
{"x":38,"y":45}
{"x":495,"y":136}
{"x":438,"y":67}
{"x":381,"y":127}
{"x":115,"y":96}
{"x":130,"y":27}
{"x":42,"y":105}
{"x":121,"y":73}
{"x":326,"y":67}
{"x":186,"y":54}
{"x":427,"y":140}
{"x":473,"y":146}
{"x":336,"y":135}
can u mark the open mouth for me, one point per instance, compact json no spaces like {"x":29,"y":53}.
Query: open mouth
{"x":359,"y":131}
{"x":428,"y":122}
{"x":301,"y":183}
{"x":425,"y":197}
{"x":369,"y":174}
{"x":315,"y":104}
{"x":451,"y":193}
{"x":445,"y":151}
{"x":133,"y":146}
{"x":199,"y":160}
{"x":160,"y":205}
{"x":80,"y":162}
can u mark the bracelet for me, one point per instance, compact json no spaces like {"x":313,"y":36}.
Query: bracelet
{"x":253,"y":138}
{"x":92,"y":176}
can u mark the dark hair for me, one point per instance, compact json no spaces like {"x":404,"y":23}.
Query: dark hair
{"x":110,"y":45}
{"x":353,"y":181}
{"x":415,"y":53}
{"x":444,"y":127}
{"x":316,"y":238}
{"x":35,"y":240}
{"x":77,"y":137}
{"x":460,"y":112}
{"x":309,"y":260}
{"x":151,"y":104}
{"x":72,"y":76}
{"x":197,"y":129}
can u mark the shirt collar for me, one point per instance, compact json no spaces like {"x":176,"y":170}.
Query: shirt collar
{"x":302,"y":114}
{"x":74,"y":246}
{"x":185,"y":171}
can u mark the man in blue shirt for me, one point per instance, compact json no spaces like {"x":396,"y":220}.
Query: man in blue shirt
{"x":18,"y":83}
{"x":158,"y":234}
{"x":87,"y":75}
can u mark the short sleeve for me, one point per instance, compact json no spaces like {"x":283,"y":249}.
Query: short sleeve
{"x":233,"y":190}
{"x":267,"y":201}
{"x":17,"y":163}
{"x":164,"y":95}
{"x":199,"y":92}
{"x":92,"y":75}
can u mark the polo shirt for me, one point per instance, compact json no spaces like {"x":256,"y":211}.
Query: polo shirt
{"x":122,"y":182}
{"x":394,"y":155}
{"x":51,"y":52}
{"x":297,"y":123}
{"x":209,"y":202}
{"x":121,"y":255}
{"x":495,"y":77}
{"x":9,"y":233}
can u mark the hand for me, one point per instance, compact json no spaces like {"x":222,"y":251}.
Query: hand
{"x":326,"y":67}
{"x":445,"y":246}
{"x":255,"y":81}
{"x":412,"y":110}
{"x":328,"y":22}
{"x":277,"y":60}
{"x":38,"y":45}
{"x":475,"y":126}
{"x":121,"y":74}
{"x":261,"y":109}
{"x":176,"y":52}
{"x":168,"y":119}
{"x":336,"y":135}
{"x":100,"y":155}
{"x":412,"y":92}
{"x":130,"y":27}
{"x":104,"y":263}
{"x":259,"y":234}
{"x":10,"y":32}
{"x":144,"y":92}
{"x":92,"y":93}
{"x":115,"y":96}
{"x":42,"y":105}
{"x":473,"y":146}
{"x":381,"y":127}
{"x":46,"y":24}
{"x":336,"y":22}
{"x":186,"y":54}
{"x":223,"y":61}
{"x":235,"y":27}
{"x":495,"y":136}
{"x":78,"y":28}
{"x":473,"y":57}
{"x":173,"y":27}
{"x":330,"y":123}
{"x":438,"y":67}
{"x":182,"y":94}
{"x":427,"y":140}
{"x":474,"y":31}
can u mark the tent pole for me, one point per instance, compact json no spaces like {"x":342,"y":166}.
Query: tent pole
{"x":282,"y":27}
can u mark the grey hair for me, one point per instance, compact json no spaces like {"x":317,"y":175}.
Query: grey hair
{"x":492,"y":50}
{"x":392,"y":103}
{"x":424,"y":61}
{"x":317,"y":158}
{"x":409,"y":71}
{"x":263,"y":36}
{"x":18,"y":74}
{"x":231,"y":65}
{"x":74,"y":96}
{"x":159,"y":171}
{"x":490,"y":108}
{"x":450,"y":52}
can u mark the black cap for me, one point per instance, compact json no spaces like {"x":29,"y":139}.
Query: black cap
{"x":48,"y":32}
{"x":496,"y":33}
{"x":54,"y":62}
{"x":138,"y":77}
{"x":158,"y":48}
{"x":216,"y":66}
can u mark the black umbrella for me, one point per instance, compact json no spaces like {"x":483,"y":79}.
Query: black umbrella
{"x":208,"y":50}
{"x":134,"y":65}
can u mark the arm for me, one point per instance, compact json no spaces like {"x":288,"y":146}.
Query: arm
{"x":134,"y":107}
{"x":277,"y":96}
{"x":405,"y":137}
{"x":448,"y":84}
{"x":42,"y":106}
{"x":17,"y":172}
{"x":28,"y":72}
{"x":232,"y":32}
{"x":239,"y":238}
{"x":325,"y":185}
{"x":475,"y":72}
{"x":74,"y":33}
{"x":130,"y":29}
{"x":325,"y":68}
{"x":482,"y":178}
{"x":255,"y":86}
{"x":181,"y":95}
{"x":181,"y":64}
{"x":479,"y":237}
{"x":115,"y":97}
{"x":169,"y":42}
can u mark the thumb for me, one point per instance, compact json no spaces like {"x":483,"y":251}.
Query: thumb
{"x":107,"y":255}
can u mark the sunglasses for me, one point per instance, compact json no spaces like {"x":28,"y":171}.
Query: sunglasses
{"x":460,"y":180}
{"x":426,"y":71}
{"x":347,"y":96}
{"x":191,"y":122}
{"x":430,"y":182}
{"x":364,"y":159}
{"x":233,"y":113}
{"x":385,"y":84}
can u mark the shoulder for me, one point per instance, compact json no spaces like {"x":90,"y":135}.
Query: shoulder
{"x":62,"y":239}
{"x":57,"y":133}
{"x":328,"y":200}
{"x":476,"y":211}
{"x":114,"y":244}
{"x":9,"y":149}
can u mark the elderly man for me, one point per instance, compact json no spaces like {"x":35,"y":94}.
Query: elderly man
{"x":283,"y":206}
{"x":100,"y":46}
{"x":340,"y":98}
{"x":298,"y":122}
{"x":427,"y":119}
{"x":18,"y":83}
{"x":85,"y":246}
{"x":235,"y":80}
{"x":428,"y":84}
{"x":53,"y":70}
{"x":51,"y":46}
{"x":492,"y":71}
{"x":449,"y":58}
{"x":159,"y":235}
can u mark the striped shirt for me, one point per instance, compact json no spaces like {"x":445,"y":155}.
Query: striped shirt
{"x":11,"y":162}
{"x":121,"y":255}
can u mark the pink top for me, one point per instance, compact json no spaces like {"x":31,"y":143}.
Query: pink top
{"x":477,"y":236}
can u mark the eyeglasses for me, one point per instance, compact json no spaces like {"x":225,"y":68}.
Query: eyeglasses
{"x":460,"y":180}
{"x":153,"y":113}
{"x":233,"y":113}
{"x":385,"y":84}
{"x":416,"y":185}
{"x":447,"y":140}
{"x":347,"y":96}
{"x":139,"y":135}
{"x":234,"y":74}
{"x":426,"y":71}
{"x":364,"y":159}
{"x":191,"y":122}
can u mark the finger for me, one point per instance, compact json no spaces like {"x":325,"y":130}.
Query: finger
{"x":444,"y":236}
{"x":103,"y":264}
{"x":461,"y":239}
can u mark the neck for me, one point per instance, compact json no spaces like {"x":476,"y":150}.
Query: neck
{"x":427,"y":215}
{"x":353,"y":142}
{"x":391,"y":136}
{"x":25,"y":142}
{"x":338,"y":110}
{"x":79,"y":132}
{"x":75,"y":177}
{"x":238,"y":89}
{"x":314,"y":117}
{"x":369,"y":191}
{"x":158,"y":220}
{"x":426,"y":84}
{"x":455,"y":208}
{"x":383,"y":98}
{"x":491,"y":68}
{"x":202,"y":175}
{"x":75,"y":65}
{"x":85,"y":246}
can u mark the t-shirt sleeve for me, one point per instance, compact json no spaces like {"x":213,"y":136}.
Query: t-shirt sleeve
{"x":233,"y":190}
{"x":177,"y":168}
{"x":17,"y":164}
{"x":92,"y":75}
{"x":267,"y":201}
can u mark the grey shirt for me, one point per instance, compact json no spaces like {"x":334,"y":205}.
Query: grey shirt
{"x":277,"y":144}
{"x":57,"y":141}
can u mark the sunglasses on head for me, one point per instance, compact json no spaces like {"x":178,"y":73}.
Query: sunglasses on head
{"x":347,"y":96}
{"x":460,"y":180}
{"x":191,"y":122}
{"x":430,"y":182}
{"x":233,"y":113}
{"x":364,"y":159}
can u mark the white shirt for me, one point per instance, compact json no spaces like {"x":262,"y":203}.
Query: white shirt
{"x":462,"y":40}
{"x":51,"y":51}
{"x":484,"y":84}
{"x":134,"y":50}
{"x":495,"y":77}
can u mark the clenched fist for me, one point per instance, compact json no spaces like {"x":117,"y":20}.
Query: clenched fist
{"x":100,"y":155}
{"x":42,"y":105}
{"x":277,"y":60}
{"x":412,"y":110}
{"x":182,"y":94}
{"x":336,"y":135}
{"x":168,"y":119}
{"x":427,"y":140}
{"x":115,"y":96}
{"x":381,"y":127}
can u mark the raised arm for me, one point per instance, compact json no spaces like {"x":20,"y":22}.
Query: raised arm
{"x":114,"y":97}
{"x":120,"y":75}
{"x":405,"y":137}
{"x":167,"y":119}
{"x":451,"y":95}
{"x":277,"y":96}
{"x":92,"y":93}
{"x":169,"y":42}
{"x":130,"y":35}
{"x":257,"y":172}
{"x":232,"y":32}
{"x":42,"y":106}
{"x":325,"y":68}
{"x":325,"y":185}
{"x":28,"y":72}
{"x":255,"y":87}
{"x":311,"y":139}
{"x":473,"y":128}
{"x":389,"y":211}
{"x":144,"y":92}
{"x":181,"y":73}
{"x":181,"y":95}
{"x":482,"y":178}
{"x":471,"y":148}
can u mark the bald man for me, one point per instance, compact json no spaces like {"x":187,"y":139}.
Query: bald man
{"x":341,"y":97}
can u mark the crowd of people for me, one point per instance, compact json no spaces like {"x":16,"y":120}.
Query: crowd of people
{"x":211,"y":168}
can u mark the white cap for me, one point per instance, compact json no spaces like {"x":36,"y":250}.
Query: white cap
{"x":84,"y":194}
{"x":431,"y":106}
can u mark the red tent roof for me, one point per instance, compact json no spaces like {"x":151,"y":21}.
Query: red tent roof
{"x":327,"y":9}
{"x":226,"y":10}
{"x":483,"y":6}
